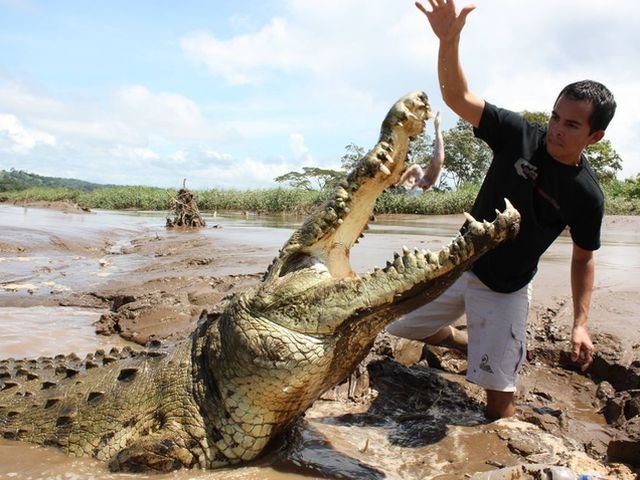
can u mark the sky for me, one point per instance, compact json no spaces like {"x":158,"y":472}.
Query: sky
{"x":231,"y":94}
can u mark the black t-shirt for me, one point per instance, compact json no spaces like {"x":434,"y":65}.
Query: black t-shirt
{"x":548,"y":194}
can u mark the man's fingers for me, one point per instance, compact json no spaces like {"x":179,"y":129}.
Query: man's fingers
{"x":466,"y":11}
{"x":582,"y":355}
{"x":437,"y":119}
{"x":586,"y":358}
{"x":578,"y":353}
{"x":421,"y":8}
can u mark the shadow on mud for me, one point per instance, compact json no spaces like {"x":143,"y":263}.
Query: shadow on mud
{"x":413,"y":407}
{"x":415,"y":404}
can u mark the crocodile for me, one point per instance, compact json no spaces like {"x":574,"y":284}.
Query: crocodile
{"x":220,"y":396}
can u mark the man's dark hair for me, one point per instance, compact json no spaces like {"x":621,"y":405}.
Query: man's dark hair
{"x":604,"y":105}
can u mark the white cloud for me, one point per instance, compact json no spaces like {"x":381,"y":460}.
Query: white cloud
{"x":249,"y":171}
{"x":16,"y":138}
{"x":337,"y":41}
{"x":300,"y":151}
{"x":217,"y":157}
{"x":169,"y":115}
{"x":134,"y":154}
{"x":245,"y":59}
{"x":17,"y":95}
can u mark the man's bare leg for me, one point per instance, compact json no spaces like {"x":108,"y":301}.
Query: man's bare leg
{"x":450,"y":337}
{"x":500,"y":404}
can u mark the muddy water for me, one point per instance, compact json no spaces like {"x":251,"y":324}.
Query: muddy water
{"x":45,"y":330}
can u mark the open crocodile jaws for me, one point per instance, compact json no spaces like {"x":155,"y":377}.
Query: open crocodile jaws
{"x":219,"y":397}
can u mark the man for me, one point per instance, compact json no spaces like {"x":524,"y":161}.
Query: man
{"x":544,"y":173}
{"x":415,"y":176}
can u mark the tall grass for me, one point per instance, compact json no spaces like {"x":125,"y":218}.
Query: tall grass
{"x":122,"y":198}
{"x":45,"y":194}
{"x":109,"y":198}
{"x":431,"y":203}
{"x":150,"y":198}
{"x":622,"y":198}
{"x":267,"y":200}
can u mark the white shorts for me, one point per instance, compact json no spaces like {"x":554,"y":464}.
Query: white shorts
{"x":496,"y":325}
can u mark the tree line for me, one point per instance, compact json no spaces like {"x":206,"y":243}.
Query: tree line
{"x":14,"y":180}
{"x":467,"y":159}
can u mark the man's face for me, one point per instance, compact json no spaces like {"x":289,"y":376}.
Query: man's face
{"x":568,"y":132}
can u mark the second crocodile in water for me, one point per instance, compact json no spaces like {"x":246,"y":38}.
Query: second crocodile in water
{"x":219,"y":397}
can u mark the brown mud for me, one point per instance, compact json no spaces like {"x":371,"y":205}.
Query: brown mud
{"x":405,"y":413}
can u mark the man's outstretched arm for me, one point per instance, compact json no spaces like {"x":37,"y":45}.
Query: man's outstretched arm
{"x":437,"y":161}
{"x":582,"y":278}
{"x":447,"y":24}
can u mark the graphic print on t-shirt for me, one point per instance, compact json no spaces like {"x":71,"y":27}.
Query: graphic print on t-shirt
{"x":526,"y":169}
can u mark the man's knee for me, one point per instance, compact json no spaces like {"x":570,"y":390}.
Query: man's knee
{"x":500,"y":404}
{"x":442,"y":334}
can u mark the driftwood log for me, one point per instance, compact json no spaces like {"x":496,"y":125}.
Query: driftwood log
{"x":185,"y":210}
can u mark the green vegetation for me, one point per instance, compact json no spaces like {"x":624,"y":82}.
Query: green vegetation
{"x":293,"y":200}
{"x":151,"y":198}
{"x":17,"y":180}
{"x":313,"y":178}
{"x":622,"y":198}
{"x":433,"y":203}
{"x":467,"y":159}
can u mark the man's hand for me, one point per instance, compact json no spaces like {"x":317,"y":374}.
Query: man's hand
{"x":582,"y":278}
{"x":581,"y":347}
{"x":445,"y":21}
{"x":436,"y":123}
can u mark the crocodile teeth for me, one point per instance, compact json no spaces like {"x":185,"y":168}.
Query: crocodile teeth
{"x":385,"y":170}
{"x":384,"y":156}
{"x":469,"y":217}
{"x":412,"y":116}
